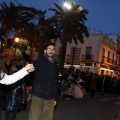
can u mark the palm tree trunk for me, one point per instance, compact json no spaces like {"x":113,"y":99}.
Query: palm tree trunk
{"x":41,"y":47}
{"x":43,"y":40}
{"x":6,"y":39}
{"x":62,"y":54}
{"x":32,"y":50}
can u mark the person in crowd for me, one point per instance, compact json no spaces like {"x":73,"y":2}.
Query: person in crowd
{"x":77,"y":92}
{"x":79,"y":89}
{"x":45,"y":87}
{"x":65,"y":74}
{"x":3,"y":88}
{"x":80,"y":81}
{"x":10,"y":79}
{"x":70,"y":77}
{"x":93,"y":84}
{"x":16,"y":95}
{"x":70,"y":88}
{"x":103,"y":84}
{"x":28,"y":79}
{"x":15,"y":100}
{"x":13,"y":68}
{"x":7,"y":66}
{"x":62,"y":88}
{"x":1,"y":99}
{"x":69,"y":85}
{"x":21,"y":64}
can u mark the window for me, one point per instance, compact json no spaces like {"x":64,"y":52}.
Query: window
{"x":103,"y":53}
{"x":75,"y":56}
{"x":113,"y":59}
{"x":108,"y":59}
{"x":118,"y":50}
{"x":88,"y":53}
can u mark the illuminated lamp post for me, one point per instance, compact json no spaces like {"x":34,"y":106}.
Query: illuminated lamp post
{"x":16,"y":42}
{"x":67,"y":5}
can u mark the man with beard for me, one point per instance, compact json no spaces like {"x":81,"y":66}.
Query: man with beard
{"x":45,"y":88}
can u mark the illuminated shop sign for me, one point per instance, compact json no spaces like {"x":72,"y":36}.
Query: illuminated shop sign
{"x":87,"y":64}
{"x":107,"y":67}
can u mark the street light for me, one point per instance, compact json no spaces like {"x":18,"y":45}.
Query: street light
{"x":67,"y":5}
{"x":16,"y":42}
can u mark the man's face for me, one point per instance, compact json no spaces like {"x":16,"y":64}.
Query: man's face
{"x":50,"y":51}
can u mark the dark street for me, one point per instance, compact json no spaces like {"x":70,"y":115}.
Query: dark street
{"x":101,"y":107}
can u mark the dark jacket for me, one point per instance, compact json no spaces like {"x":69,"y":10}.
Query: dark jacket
{"x":15,"y":97}
{"x":93,"y":83}
{"x":46,"y":79}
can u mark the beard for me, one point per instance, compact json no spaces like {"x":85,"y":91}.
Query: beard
{"x":50,"y":55}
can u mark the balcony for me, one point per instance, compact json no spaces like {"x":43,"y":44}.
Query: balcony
{"x":109,"y":42}
{"x":108,"y":60}
{"x":87,"y":57}
{"x":118,"y":66}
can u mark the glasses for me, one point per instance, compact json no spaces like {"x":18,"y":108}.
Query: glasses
{"x":49,"y":49}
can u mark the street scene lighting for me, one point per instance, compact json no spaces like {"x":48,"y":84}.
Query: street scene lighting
{"x":17,"y":40}
{"x":67,"y":5}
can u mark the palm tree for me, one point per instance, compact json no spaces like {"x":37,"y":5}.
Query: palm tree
{"x":11,"y":17}
{"x":70,"y":25}
{"x":38,"y":33}
{"x":45,"y":30}
{"x":2,"y":37}
{"x":43,"y":26}
{"x":30,"y":32}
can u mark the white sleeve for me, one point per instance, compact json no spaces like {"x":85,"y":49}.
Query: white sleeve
{"x":9,"y":79}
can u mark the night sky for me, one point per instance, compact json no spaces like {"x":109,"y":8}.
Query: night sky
{"x":104,"y":15}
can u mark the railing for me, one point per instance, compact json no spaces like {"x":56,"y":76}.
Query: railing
{"x":107,"y":59}
{"x":109,"y":42}
{"x":87,"y":57}
{"x":118,"y":66}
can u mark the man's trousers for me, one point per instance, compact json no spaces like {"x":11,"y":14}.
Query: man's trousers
{"x":41,"y":109}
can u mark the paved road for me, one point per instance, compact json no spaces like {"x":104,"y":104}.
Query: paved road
{"x":98,"y":108}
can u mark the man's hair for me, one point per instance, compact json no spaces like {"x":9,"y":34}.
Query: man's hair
{"x":48,"y":44}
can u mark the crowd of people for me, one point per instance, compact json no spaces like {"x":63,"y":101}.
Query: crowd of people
{"x":45,"y":84}
{"x":76,"y":83}
{"x":72,"y":83}
{"x":14,"y":97}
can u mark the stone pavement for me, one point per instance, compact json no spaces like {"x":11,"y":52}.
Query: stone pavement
{"x":101,"y":107}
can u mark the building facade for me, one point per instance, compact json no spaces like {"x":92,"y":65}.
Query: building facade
{"x":116,"y":39}
{"x":97,"y":55}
